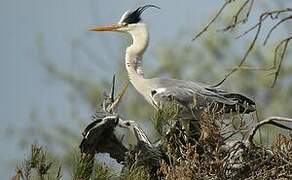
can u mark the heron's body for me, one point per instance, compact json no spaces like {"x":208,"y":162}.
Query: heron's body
{"x":157,"y":91}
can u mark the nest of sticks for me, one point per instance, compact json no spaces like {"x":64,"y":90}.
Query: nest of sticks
{"x":225,"y":148}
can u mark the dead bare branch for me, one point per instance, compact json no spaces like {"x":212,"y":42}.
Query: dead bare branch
{"x":117,"y":100}
{"x":212,"y":20}
{"x":235,"y":18}
{"x":282,"y":54}
{"x":275,"y":26}
{"x":271,"y":120}
{"x":273,"y":15}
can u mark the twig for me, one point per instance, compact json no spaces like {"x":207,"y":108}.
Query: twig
{"x":212,"y":20}
{"x":272,"y":121}
{"x":113,"y":88}
{"x":285,"y":42}
{"x":112,"y":108}
{"x":273,"y":15}
{"x":283,"y":159}
{"x":232,"y":134}
{"x":259,"y":25}
{"x":235,"y":21}
{"x":258,"y":120}
{"x":274,"y":27}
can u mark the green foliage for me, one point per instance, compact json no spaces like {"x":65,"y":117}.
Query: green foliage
{"x":137,"y":173}
{"x":165,"y":117}
{"x":83,"y":168}
{"x":102,"y":172}
{"x":41,"y":166}
{"x":38,"y":166}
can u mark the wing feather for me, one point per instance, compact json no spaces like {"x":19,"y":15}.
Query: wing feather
{"x":189,"y":93}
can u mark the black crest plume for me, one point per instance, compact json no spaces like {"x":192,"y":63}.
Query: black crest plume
{"x":135,"y":16}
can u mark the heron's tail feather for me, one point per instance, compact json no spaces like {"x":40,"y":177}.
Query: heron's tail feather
{"x":242,"y":104}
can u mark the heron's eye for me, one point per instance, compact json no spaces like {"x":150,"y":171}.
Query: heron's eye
{"x":153,"y":92}
{"x":128,"y":124}
{"x":125,"y":24}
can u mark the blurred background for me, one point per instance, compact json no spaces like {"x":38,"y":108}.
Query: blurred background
{"x":53,"y":71}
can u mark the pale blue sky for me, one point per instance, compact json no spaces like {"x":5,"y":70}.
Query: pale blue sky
{"x":24,"y":82}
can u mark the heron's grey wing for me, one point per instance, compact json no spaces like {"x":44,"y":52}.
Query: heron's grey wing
{"x":188,"y":96}
{"x":184,"y":90}
{"x":188,"y":99}
{"x":231,"y":95}
{"x":189,"y":93}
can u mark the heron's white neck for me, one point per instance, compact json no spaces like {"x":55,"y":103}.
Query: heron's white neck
{"x":134,"y":55}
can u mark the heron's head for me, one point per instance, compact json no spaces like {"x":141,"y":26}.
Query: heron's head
{"x":129,"y":21}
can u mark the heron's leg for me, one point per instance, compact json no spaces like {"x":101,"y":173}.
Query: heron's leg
{"x":185,"y":128}
{"x":194,"y":129}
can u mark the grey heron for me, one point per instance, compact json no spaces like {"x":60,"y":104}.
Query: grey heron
{"x":191,"y":96}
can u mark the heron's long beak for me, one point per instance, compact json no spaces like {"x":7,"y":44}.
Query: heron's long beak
{"x":112,"y":27}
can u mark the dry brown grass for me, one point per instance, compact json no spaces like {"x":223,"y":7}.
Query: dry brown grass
{"x":211,"y":157}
